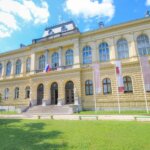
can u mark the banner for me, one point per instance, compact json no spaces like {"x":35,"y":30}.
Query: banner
{"x":119,"y":77}
{"x":96,"y":78}
{"x":146,"y":71}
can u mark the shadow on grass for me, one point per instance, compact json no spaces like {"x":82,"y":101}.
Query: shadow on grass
{"x":17,"y":135}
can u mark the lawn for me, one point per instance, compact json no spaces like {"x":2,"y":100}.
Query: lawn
{"x":8,"y":112}
{"x":127,"y":112}
{"x":73,"y":135}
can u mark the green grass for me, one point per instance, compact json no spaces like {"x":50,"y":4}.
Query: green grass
{"x":112,"y":113}
{"x":73,"y":135}
{"x":8,"y":112}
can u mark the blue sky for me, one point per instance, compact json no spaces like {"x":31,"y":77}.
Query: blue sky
{"x":24,"y":20}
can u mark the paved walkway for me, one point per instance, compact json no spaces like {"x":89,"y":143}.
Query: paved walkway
{"x":79,"y":117}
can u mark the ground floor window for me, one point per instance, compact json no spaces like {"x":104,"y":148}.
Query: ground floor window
{"x":107,"y":86}
{"x":127,"y":84}
{"x":27,"y":92}
{"x":16,"y":93}
{"x":89,"y":87}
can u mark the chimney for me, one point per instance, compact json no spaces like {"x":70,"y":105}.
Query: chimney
{"x":147,"y":13}
{"x":101,"y":25}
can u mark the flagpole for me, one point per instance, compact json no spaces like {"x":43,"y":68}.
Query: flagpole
{"x":94,"y":92}
{"x":145,"y":97}
{"x":141,"y":70}
{"x":118,"y":97}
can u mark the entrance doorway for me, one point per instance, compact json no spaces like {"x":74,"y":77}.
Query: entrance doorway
{"x":54,"y":93}
{"x":40,"y":94}
{"x":69,"y":92}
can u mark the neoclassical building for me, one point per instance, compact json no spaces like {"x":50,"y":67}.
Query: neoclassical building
{"x":70,"y":54}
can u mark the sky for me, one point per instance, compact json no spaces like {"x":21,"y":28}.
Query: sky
{"x":21,"y":21}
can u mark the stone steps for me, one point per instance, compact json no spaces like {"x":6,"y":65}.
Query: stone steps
{"x":51,"y":109}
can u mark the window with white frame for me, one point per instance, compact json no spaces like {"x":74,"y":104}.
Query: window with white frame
{"x":8,"y":68}
{"x":18,"y":67}
{"x":104,"y":52}
{"x":122,"y":49}
{"x":143,"y":45}
{"x":42,"y":62}
{"x":55,"y":60}
{"x":87,"y":55}
{"x":69,"y":57}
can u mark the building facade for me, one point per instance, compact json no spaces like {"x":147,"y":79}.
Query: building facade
{"x":70,"y":54}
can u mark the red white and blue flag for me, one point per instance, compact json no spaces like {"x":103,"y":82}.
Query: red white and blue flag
{"x":47,"y":68}
{"x":119,"y":77}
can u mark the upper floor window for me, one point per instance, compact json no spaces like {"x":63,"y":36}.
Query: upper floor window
{"x":18,"y":66}
{"x":8,"y":69}
{"x":89,"y":87}
{"x":55,"y":60}
{"x":16,"y":93}
{"x":6,"y":93}
{"x":1,"y":67}
{"x":127,"y":84}
{"x":42,"y":62}
{"x":104,"y":52}
{"x":27,"y":92}
{"x":69,"y":57}
{"x":28,"y":64}
{"x":87,"y":55}
{"x":122,"y":49}
{"x":143,"y":45}
{"x":107,"y":86}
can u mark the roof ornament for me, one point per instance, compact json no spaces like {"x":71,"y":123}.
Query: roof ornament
{"x":101,"y":25}
{"x":147,"y":13}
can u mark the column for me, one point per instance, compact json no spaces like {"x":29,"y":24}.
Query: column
{"x":46,"y":99}
{"x":76,"y":54}
{"x":33,"y":63}
{"x":94,"y":52}
{"x":60,"y":56}
{"x":46,"y":56}
{"x":13,"y":68}
{"x":33,"y":94}
{"x":23,"y":68}
{"x":4,"y":69}
{"x":112,"y":49}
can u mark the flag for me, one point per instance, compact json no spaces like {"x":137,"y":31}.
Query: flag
{"x":145,"y":67}
{"x":47,"y":68}
{"x":119,"y":77}
{"x":96,"y":78}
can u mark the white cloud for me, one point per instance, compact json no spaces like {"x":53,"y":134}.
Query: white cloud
{"x":148,"y":2}
{"x":91,"y":8}
{"x":24,"y":10}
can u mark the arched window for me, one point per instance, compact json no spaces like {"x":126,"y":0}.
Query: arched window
{"x":87,"y":55}
{"x":104,"y":52}
{"x":122,"y":49}
{"x":1,"y":67}
{"x":127,"y":84}
{"x":8,"y":69}
{"x":27,"y":92}
{"x":28,"y":64}
{"x":107,"y":86}
{"x":6,"y":93}
{"x":69,"y":57}
{"x":42,"y":62}
{"x":16,"y":93}
{"x":55,"y":60}
{"x":89,"y":87}
{"x":143,"y":45}
{"x":18,"y":66}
